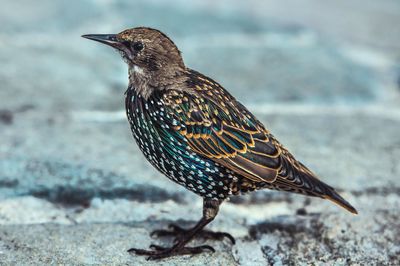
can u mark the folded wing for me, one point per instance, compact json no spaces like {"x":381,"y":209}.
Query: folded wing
{"x":218,"y":127}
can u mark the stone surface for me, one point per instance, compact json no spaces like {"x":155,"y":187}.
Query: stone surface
{"x":75,"y":190}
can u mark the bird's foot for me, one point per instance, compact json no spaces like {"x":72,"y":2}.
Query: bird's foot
{"x":179,"y":232}
{"x":159,"y":252}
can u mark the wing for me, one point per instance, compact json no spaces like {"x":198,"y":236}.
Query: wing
{"x":218,"y":127}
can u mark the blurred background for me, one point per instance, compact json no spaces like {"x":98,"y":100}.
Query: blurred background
{"x":324,"y":77}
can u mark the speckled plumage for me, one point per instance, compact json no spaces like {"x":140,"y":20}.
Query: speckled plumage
{"x":198,"y":135}
{"x":211,"y":144}
{"x":153,"y":126}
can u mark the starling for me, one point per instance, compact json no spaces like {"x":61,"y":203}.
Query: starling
{"x":198,"y":135}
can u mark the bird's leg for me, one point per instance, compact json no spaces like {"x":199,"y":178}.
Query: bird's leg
{"x":177,"y":232}
{"x":210,"y":210}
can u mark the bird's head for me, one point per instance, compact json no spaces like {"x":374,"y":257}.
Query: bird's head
{"x":145,"y":50}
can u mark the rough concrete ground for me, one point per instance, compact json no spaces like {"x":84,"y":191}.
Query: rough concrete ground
{"x":75,"y":190}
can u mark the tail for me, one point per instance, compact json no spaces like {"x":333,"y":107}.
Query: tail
{"x":323,"y":190}
{"x":296,"y":177}
{"x":318,"y":188}
{"x":333,"y":196}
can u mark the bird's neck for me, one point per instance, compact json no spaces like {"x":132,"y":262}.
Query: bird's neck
{"x":140,"y":81}
{"x":146,"y":82}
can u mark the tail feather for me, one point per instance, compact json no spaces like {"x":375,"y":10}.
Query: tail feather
{"x":296,"y":177}
{"x":333,"y":196}
{"x":319,"y":188}
{"x":323,"y":190}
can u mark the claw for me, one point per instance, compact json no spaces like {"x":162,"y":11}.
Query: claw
{"x":159,"y":252}
{"x":157,"y":247}
{"x":178,"y":232}
{"x":140,"y":251}
{"x":184,"y":236}
{"x":221,"y":235}
{"x":210,"y":248}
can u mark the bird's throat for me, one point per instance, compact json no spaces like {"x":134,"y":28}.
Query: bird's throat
{"x":140,"y":81}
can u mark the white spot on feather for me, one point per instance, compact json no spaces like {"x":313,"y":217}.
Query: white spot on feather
{"x":138,"y":70}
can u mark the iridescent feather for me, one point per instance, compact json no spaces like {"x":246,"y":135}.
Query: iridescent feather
{"x":222,"y":130}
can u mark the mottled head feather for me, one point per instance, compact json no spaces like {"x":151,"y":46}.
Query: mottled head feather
{"x":157,"y":64}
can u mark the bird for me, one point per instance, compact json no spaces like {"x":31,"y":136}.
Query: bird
{"x":197,"y":134}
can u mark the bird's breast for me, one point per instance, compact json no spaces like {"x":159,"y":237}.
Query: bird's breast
{"x":169,"y":152}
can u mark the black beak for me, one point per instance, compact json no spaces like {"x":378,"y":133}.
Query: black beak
{"x":109,"y":39}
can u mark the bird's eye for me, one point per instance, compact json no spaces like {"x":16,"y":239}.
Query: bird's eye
{"x":137,"y":46}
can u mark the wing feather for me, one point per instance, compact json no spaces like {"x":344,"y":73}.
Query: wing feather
{"x":215,"y":125}
{"x":225,"y":132}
